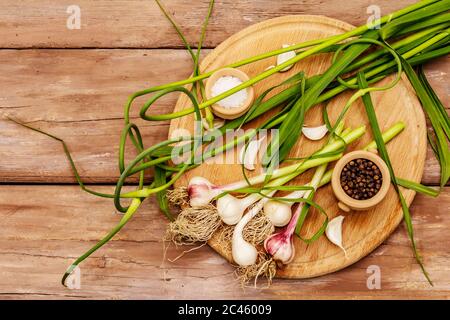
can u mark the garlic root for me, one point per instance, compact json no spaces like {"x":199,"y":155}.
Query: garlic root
{"x":178,"y":196}
{"x":194,"y":225}
{"x":264,"y":267}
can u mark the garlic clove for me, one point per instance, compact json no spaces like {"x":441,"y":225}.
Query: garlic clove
{"x":283,"y":57}
{"x":218,"y":122}
{"x":334,"y":232}
{"x":315,"y":133}
{"x":278,"y":212}
{"x":248,"y":155}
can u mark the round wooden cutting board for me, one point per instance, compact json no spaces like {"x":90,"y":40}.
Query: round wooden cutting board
{"x":362,"y":231}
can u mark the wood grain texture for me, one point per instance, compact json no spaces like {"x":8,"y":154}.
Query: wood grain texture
{"x":79,"y":95}
{"x":45,"y":227}
{"x":362,"y":232}
{"x":140,"y":24}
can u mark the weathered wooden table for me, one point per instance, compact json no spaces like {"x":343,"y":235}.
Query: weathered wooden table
{"x":74,"y":82}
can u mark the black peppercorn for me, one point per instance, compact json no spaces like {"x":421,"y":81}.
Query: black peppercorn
{"x":361,"y":179}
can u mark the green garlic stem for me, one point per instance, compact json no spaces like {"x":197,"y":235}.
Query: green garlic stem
{"x":323,"y":45}
{"x":305,"y":165}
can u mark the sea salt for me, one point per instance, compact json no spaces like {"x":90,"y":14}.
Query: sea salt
{"x":224,"y":84}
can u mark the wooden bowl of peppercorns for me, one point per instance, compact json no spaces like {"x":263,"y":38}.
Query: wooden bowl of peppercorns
{"x":360,"y":180}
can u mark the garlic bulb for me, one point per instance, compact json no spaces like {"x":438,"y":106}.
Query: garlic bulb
{"x":315,"y":133}
{"x":281,"y":248}
{"x":283,"y":57}
{"x":278,"y":212}
{"x":201,"y":192}
{"x":281,"y":245}
{"x":231,"y":209}
{"x":334,"y":232}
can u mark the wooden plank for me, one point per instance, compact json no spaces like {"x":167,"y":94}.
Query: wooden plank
{"x":78,"y":95}
{"x":140,"y":24}
{"x":45,"y":227}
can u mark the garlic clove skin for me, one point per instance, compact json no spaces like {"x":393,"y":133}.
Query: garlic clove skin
{"x":334,"y":232}
{"x":283,"y":57}
{"x":200,"y":191}
{"x":315,"y":133}
{"x":230,"y":209}
{"x":278,"y":212}
{"x":248,"y":154}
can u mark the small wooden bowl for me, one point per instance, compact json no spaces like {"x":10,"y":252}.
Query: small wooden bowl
{"x":345,"y":199}
{"x":235,"y":112}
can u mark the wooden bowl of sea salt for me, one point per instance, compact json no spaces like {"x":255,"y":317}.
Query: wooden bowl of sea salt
{"x":234,"y":105}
